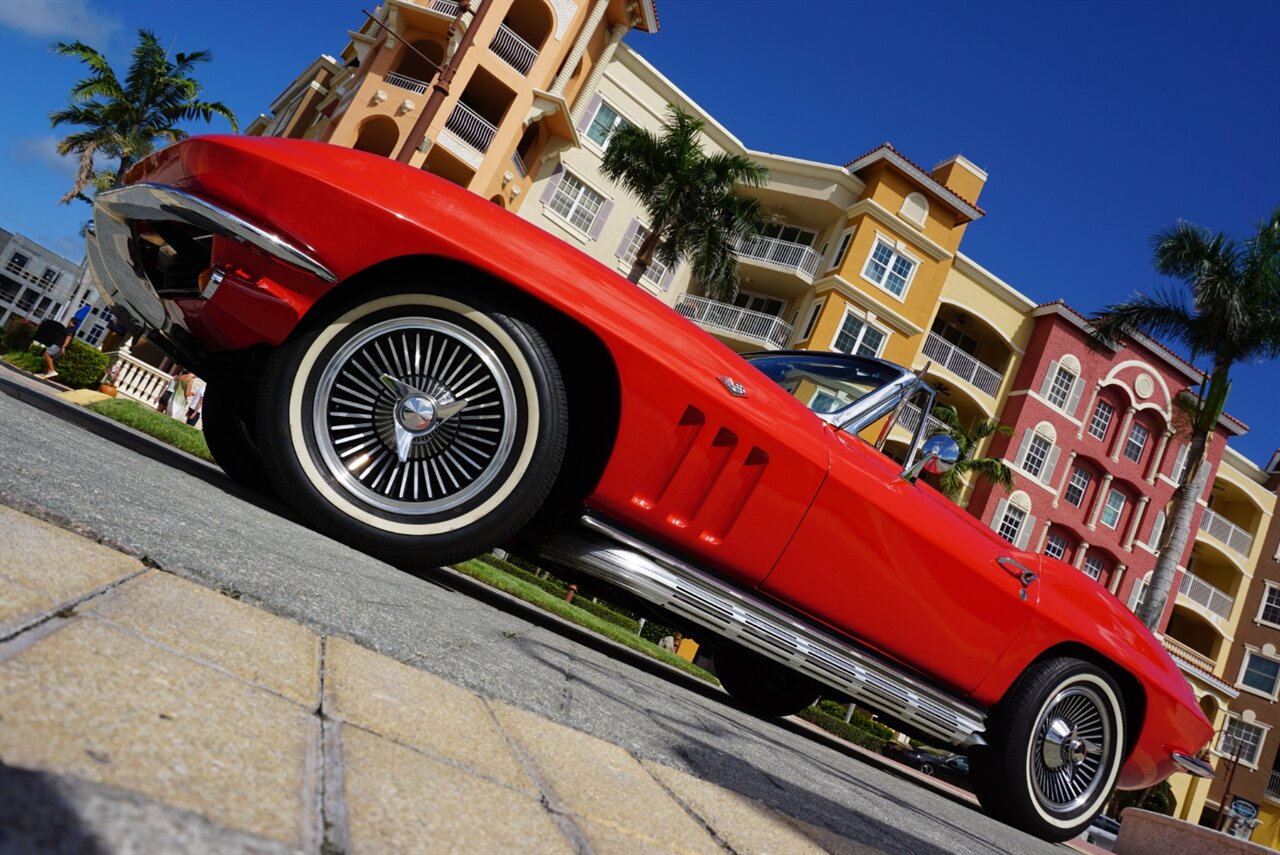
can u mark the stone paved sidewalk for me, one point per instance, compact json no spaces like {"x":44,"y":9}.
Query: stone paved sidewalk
{"x":142,"y":712}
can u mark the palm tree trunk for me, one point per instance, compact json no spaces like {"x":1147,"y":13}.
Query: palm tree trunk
{"x":1178,"y":531}
{"x":644,"y":257}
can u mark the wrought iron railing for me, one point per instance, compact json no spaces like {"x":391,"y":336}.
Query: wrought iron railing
{"x":1227,"y":532}
{"x":962,"y":364}
{"x":513,"y":50}
{"x":1203,"y":594}
{"x":406,"y":82}
{"x":725,"y":317}
{"x":784,"y":254}
{"x":1273,"y":785}
{"x":470,"y":127}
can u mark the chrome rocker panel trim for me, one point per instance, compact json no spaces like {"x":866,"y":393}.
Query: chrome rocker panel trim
{"x":607,"y":553}
{"x":107,"y":246}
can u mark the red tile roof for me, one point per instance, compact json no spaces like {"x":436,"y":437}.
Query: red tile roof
{"x":889,"y":147}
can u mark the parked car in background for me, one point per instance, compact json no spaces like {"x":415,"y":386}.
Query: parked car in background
{"x":1102,"y":832}
{"x":953,"y":768}
{"x":424,"y":376}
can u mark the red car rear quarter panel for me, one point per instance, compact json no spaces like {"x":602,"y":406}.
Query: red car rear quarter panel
{"x":723,"y":478}
{"x":1075,"y":609}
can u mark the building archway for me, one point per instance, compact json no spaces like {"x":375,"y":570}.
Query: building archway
{"x":378,"y":135}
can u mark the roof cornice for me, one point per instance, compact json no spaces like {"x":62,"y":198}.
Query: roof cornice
{"x":984,"y":277}
{"x":890,"y":155}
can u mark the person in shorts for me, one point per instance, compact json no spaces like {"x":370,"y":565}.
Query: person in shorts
{"x":54,"y":351}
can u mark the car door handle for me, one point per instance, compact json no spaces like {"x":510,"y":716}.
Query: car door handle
{"x":1014,"y":567}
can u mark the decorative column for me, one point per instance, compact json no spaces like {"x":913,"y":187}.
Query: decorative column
{"x":579,"y":47}
{"x":1123,"y":435}
{"x":597,"y":72}
{"x":1044,"y":535}
{"x":1080,"y":551}
{"x":1088,"y":411}
{"x":1116,"y":576}
{"x":1158,"y":458}
{"x":1133,"y":526}
{"x":1066,"y":476}
{"x":1103,"y":489}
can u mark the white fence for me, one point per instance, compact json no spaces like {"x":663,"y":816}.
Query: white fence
{"x":962,"y":364}
{"x":513,"y":50}
{"x":783,"y":254}
{"x":1227,"y":532}
{"x":725,"y":317}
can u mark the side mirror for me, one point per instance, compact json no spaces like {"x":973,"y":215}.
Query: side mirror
{"x":937,"y":455}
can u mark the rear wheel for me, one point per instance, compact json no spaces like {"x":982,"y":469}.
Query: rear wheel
{"x":228,"y":415}
{"x":422,"y":428}
{"x":1056,"y":743}
{"x":762,"y":684}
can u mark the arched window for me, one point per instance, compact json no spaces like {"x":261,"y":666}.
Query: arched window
{"x":1013,"y":520}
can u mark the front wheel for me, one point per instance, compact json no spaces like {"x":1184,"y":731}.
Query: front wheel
{"x":422,"y":428}
{"x":1055,"y":745}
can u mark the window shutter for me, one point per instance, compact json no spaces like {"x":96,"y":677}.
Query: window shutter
{"x":626,"y":239}
{"x":1024,"y":534}
{"x":1048,"y":379}
{"x":552,"y":183}
{"x":1050,"y":465}
{"x":667,"y":277}
{"x":1023,"y":446}
{"x":1179,"y":462}
{"x":1074,"y":400}
{"x":597,"y":225}
{"x":999,"y":515}
{"x":1157,"y":529}
{"x":589,"y":116}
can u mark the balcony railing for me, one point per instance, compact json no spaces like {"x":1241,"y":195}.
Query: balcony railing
{"x":1203,"y":594}
{"x":962,"y":364}
{"x":517,"y":163}
{"x":783,"y":254}
{"x":1227,"y":532}
{"x":724,"y":317}
{"x":470,"y":127}
{"x":513,"y":50}
{"x":1178,"y":650}
{"x":22,"y":273}
{"x":909,"y":418}
{"x":444,"y":7}
{"x":1273,"y":785}
{"x":404,"y":82}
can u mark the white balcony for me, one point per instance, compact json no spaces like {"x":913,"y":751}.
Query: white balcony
{"x":1273,"y":785}
{"x":1184,"y":654}
{"x":513,"y":50}
{"x":780,"y":255}
{"x":1207,"y":597}
{"x":909,"y":419}
{"x":743,"y":324}
{"x":961,"y":364}
{"x":400,"y":80}
{"x":1227,"y":532}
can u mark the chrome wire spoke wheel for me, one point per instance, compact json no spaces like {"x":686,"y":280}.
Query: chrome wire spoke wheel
{"x":386,"y":421}
{"x":1068,"y":758}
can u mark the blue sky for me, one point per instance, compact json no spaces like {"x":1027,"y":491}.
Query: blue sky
{"x":1099,"y":123}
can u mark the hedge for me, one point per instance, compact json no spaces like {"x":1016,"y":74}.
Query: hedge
{"x":18,"y":334}
{"x":860,"y":719}
{"x":845,"y":730}
{"x":81,"y":366}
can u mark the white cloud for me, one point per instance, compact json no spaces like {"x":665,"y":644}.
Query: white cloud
{"x":66,"y":20}
{"x":44,"y":151}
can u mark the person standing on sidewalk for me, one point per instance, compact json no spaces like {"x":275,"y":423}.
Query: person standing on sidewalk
{"x":181,"y":394}
{"x":54,"y":351}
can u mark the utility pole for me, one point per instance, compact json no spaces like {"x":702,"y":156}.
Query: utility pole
{"x":440,"y":88}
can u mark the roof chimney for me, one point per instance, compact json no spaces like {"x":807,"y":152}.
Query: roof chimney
{"x":961,"y":176}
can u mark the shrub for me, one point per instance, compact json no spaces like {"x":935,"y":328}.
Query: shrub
{"x":82,"y":366}
{"x":1157,"y":799}
{"x":608,"y":613}
{"x":860,"y":720}
{"x":843,"y":729}
{"x":18,"y":334}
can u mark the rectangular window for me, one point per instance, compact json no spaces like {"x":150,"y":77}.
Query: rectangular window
{"x":576,"y":202}
{"x":857,"y":336}
{"x":1101,"y":420}
{"x":1111,"y":513}
{"x":1260,"y":673}
{"x":1093,"y":567}
{"x":1271,"y":606}
{"x":1055,"y":546}
{"x":1075,"y":489}
{"x":789,"y":234}
{"x":656,"y":269}
{"x":963,"y":342}
{"x":604,"y":124}
{"x":17,"y":263}
{"x":95,"y":333}
{"x":1061,"y":388}
{"x":1240,"y":739}
{"x":889,"y":269}
{"x":1138,"y":436}
{"x":1037,"y":454}
{"x":813,"y":319}
{"x":1011,"y":524}
{"x":842,"y":250}
{"x":49,"y":277}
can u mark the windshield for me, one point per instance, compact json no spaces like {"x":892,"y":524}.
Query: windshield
{"x":826,"y":382}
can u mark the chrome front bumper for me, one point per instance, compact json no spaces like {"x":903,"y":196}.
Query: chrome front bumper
{"x":113,"y":262}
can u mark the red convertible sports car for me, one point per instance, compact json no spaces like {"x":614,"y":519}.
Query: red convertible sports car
{"x":425,"y":376}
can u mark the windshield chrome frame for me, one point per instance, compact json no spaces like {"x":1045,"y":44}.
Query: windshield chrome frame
{"x":889,"y":398}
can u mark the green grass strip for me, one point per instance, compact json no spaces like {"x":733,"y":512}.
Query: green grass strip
{"x":158,"y":425}
{"x":532,"y":594}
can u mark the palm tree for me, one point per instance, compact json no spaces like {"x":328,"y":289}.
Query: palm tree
{"x":993,"y":469}
{"x":1226,"y":310}
{"x":688,"y":195}
{"x":124,"y":120}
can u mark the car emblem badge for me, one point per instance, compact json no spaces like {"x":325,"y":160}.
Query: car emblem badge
{"x":735,"y":389}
